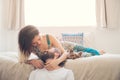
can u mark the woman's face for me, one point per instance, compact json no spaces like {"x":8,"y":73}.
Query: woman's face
{"x":36,"y":40}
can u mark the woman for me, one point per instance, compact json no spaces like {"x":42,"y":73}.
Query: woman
{"x":29,"y":37}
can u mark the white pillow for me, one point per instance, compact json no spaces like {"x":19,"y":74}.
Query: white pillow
{"x":73,"y":37}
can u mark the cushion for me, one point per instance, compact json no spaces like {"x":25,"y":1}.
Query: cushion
{"x":73,"y":37}
{"x":67,"y":45}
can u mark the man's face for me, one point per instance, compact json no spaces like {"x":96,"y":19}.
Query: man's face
{"x":56,"y":53}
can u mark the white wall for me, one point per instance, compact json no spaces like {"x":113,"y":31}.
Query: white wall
{"x":8,"y":38}
{"x":107,"y":39}
{"x":1,"y":30}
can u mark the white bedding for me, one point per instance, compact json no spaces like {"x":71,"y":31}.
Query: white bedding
{"x":103,"y":67}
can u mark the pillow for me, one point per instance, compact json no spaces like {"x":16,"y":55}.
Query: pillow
{"x":73,"y":37}
{"x":68,"y":45}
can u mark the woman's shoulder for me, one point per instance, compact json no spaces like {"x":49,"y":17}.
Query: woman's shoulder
{"x":44,"y":35}
{"x":49,"y":37}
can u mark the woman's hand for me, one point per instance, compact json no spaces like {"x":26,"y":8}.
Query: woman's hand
{"x":37,"y":63}
{"x":51,"y":65}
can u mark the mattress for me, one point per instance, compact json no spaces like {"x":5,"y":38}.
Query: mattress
{"x":103,"y":67}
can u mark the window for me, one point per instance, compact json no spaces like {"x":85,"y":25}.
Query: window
{"x":60,"y":13}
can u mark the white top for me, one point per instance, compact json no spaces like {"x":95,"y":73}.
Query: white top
{"x":58,"y":74}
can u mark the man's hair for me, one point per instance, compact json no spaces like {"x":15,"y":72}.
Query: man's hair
{"x":50,"y":55}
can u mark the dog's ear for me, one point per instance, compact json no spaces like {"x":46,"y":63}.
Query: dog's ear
{"x":71,"y":50}
{"x":79,"y":54}
{"x":71,"y":55}
{"x":74,"y":55}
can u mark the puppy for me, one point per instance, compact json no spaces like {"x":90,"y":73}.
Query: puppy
{"x":74,"y":55}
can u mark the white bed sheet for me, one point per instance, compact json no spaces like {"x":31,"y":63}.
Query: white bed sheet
{"x":103,"y":67}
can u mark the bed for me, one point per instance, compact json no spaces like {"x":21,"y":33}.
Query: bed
{"x":103,"y":67}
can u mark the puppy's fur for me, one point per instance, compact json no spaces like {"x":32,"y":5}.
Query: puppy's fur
{"x":74,"y":55}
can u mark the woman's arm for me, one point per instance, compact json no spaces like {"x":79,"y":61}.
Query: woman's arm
{"x":62,"y":57}
{"x":56,"y":62}
{"x":37,"y":63}
{"x":56,"y":43}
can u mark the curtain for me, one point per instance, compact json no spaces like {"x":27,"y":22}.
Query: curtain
{"x":101,"y":13}
{"x":15,"y":14}
{"x":108,"y":13}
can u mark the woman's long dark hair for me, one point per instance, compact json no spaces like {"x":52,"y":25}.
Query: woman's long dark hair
{"x":25,"y":38}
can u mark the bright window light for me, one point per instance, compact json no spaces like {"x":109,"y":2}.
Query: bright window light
{"x":60,"y":13}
